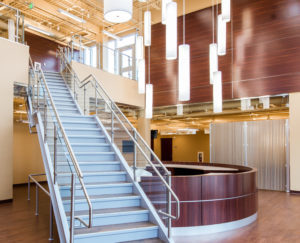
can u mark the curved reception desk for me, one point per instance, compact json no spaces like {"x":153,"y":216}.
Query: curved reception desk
{"x":213,"y":197}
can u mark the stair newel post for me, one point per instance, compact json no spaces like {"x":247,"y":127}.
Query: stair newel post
{"x":45,"y":119}
{"x":96,"y":102}
{"x":38,"y":93}
{"x":84,"y":103}
{"x":36,"y":200}
{"x":55,"y":153}
{"x":169,"y":198}
{"x":134,"y":156}
{"x":112,"y":123}
{"x":72,"y":208}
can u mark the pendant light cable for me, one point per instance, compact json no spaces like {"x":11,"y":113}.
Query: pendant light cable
{"x":183,"y":31}
{"x":213,"y":20}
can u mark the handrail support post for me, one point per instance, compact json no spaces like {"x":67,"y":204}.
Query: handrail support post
{"x":169,"y":205}
{"x":134,"y":157}
{"x":72,"y":208}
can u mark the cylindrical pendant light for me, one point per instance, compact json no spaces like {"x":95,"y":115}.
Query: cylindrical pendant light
{"x":141,"y":76}
{"x":149,"y":101}
{"x":117,"y":11}
{"x":164,"y":10}
{"x":226,"y":10}
{"x":184,"y":73}
{"x":213,"y":61}
{"x":139,"y":47}
{"x":217,"y":92}
{"x":221,"y":36}
{"x":147,"y":28}
{"x":171,"y":31}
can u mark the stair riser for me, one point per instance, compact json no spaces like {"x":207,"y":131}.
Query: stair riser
{"x":65,"y":106}
{"x":78,"y":119}
{"x":96,"y":158}
{"x":79,"y":148}
{"x":113,"y":237}
{"x":60,"y":112}
{"x":80,"y":125}
{"x":93,"y":179}
{"x":64,"y":101}
{"x":65,"y":192}
{"x":86,"y":140}
{"x":72,"y":132}
{"x":104,"y":204}
{"x":115,"y":219}
{"x":86,"y":168}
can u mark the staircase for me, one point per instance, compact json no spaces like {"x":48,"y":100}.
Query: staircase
{"x":120,"y":211}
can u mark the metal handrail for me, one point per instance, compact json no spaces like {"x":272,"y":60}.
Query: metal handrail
{"x":69,"y":148}
{"x":86,"y":81}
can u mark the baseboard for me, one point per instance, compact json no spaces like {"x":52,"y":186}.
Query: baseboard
{"x":6,"y":201}
{"x":295,"y":192}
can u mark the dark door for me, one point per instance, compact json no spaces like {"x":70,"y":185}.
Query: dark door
{"x":166,"y":149}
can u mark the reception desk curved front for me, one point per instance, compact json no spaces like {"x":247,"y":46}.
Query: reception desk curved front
{"x":213,"y":197}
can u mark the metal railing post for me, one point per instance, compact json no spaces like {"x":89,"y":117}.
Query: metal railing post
{"x":169,"y":205}
{"x":84,"y":102}
{"x":36,"y":200}
{"x":55,"y":153}
{"x":38,"y":94}
{"x":51,"y":222}
{"x":72,"y":208}
{"x":134,"y":157}
{"x":17,"y":25}
{"x":96,"y":102}
{"x":112,"y":127}
{"x":45,"y":121}
{"x":28,"y":188}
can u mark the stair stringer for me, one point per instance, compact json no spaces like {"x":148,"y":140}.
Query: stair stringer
{"x":145,"y":202}
{"x":58,"y":209}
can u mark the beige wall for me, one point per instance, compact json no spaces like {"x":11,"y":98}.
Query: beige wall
{"x":186,"y":147}
{"x":14,"y":68}
{"x":120,"y":89}
{"x":27,"y":154}
{"x":295,"y":141}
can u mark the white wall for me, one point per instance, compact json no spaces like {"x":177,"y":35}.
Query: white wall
{"x":120,"y":89}
{"x":13,"y":68}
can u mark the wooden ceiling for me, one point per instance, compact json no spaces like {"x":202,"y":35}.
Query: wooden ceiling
{"x":45,"y":15}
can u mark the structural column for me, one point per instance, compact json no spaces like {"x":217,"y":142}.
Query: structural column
{"x":294,"y":142}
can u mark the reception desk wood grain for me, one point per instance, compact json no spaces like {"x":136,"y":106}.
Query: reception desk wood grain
{"x":209,"y":194}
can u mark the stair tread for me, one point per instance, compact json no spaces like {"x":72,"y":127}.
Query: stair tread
{"x":112,"y":228}
{"x":89,"y":173}
{"x":109,"y":211}
{"x":92,"y":163}
{"x":153,"y":240}
{"x":99,"y":183}
{"x":102,"y":197}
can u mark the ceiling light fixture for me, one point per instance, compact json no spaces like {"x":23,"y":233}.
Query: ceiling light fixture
{"x":213,"y":50}
{"x":118,"y":11}
{"x":221,"y":36}
{"x":226,"y":10}
{"x":149,"y":93}
{"x":217,"y":92}
{"x":164,"y":10}
{"x":147,"y":28}
{"x":184,"y":74}
{"x":139,"y":47}
{"x":72,"y":16}
{"x":141,"y":76}
{"x":39,"y":30}
{"x":171,"y":31}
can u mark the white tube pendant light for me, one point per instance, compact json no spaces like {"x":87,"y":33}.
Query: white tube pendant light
{"x":139,"y":47}
{"x":118,"y":11}
{"x":147,"y":28}
{"x":184,"y":73}
{"x":171,"y":31}
{"x":221,"y":36}
{"x":226,"y":10}
{"x":217,"y":92}
{"x":141,"y":76}
{"x":164,"y":10}
{"x":149,"y":101}
{"x":213,"y":61}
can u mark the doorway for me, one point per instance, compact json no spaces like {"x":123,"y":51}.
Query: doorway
{"x":166,"y":149}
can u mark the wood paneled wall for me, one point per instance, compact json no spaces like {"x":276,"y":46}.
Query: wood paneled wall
{"x":263,"y":52}
{"x":43,"y":50}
